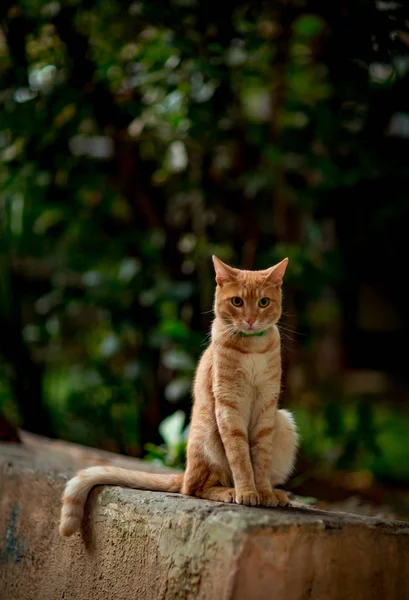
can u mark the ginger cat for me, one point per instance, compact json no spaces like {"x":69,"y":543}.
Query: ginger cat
{"x":240,"y":444}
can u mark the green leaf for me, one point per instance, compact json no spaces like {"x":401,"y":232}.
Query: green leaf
{"x":308,"y":26}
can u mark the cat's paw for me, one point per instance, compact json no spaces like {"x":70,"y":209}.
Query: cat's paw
{"x":268,"y":497}
{"x":271,"y":497}
{"x":283,"y":499}
{"x":248,"y":498}
{"x":227,"y":495}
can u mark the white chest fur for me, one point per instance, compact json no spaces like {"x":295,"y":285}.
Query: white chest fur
{"x":255,"y":367}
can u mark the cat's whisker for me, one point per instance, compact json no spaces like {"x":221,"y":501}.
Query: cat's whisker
{"x":287,"y":348}
{"x":289,"y":329}
{"x":286,"y":337}
{"x":228,"y":334}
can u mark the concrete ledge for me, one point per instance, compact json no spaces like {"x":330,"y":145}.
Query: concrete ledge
{"x":138,"y":545}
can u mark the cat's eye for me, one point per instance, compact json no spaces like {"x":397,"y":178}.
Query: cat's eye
{"x":236,"y":301}
{"x":264,"y":302}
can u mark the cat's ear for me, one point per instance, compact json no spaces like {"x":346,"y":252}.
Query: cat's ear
{"x":224,"y":273}
{"x":275,"y":274}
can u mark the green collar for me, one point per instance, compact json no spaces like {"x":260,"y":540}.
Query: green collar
{"x":256,"y":334}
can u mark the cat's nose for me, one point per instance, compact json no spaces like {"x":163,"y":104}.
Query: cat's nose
{"x":250,"y":321}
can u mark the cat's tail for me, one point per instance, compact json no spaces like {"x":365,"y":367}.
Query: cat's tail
{"x":77,"y":490}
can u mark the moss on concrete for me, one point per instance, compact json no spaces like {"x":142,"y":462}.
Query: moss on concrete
{"x":153,"y":546}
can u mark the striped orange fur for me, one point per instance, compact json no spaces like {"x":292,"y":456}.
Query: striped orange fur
{"x":240,"y":444}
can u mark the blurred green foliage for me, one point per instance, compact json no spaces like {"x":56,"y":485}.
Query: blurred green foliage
{"x":382,"y":453}
{"x":354,"y":437}
{"x":171,"y":452}
{"x":138,"y":138}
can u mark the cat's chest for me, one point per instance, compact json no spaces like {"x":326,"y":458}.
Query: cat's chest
{"x":258,"y":368}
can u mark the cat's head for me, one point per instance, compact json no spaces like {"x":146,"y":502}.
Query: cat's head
{"x":248,"y":301}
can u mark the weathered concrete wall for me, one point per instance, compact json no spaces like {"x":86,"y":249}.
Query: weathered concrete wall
{"x":150,"y":546}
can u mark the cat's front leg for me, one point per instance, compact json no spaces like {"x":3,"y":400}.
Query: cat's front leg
{"x":262,"y":450}
{"x":235,"y":441}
